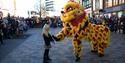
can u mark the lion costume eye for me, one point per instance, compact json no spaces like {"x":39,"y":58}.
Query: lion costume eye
{"x":69,"y":9}
{"x":62,"y":12}
{"x":78,"y":11}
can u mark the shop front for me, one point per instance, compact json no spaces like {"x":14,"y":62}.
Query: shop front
{"x":118,"y":10}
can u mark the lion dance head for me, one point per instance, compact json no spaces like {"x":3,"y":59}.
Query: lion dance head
{"x":73,"y":13}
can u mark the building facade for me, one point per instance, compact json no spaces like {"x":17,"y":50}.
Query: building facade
{"x":49,"y":4}
{"x":104,"y":7}
{"x":7,"y":6}
{"x":114,"y":7}
{"x":87,"y":4}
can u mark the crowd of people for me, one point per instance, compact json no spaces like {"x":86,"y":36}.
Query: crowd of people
{"x":55,"y":21}
{"x":115,"y":23}
{"x":11,"y":26}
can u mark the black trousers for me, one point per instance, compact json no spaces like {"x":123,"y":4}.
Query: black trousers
{"x":46,"y":54}
{"x":124,"y":29}
{"x":1,"y":39}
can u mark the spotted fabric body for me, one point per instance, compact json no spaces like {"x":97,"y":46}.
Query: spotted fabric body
{"x":97,"y":35}
{"x":78,"y":27}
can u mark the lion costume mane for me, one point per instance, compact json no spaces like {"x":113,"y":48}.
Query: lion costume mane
{"x":77,"y":26}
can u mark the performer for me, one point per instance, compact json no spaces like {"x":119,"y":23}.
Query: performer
{"x":1,"y":27}
{"x":78,"y":27}
{"x":47,"y":39}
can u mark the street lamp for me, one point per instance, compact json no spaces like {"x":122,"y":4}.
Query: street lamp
{"x":40,"y":9}
{"x":14,"y":2}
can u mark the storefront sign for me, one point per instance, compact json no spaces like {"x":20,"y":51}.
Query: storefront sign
{"x":112,"y":9}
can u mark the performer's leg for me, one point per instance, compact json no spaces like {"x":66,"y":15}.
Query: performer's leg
{"x":77,"y":49}
{"x":124,"y":29}
{"x":48,"y":58}
{"x":45,"y":59}
{"x":101,"y":49}
{"x":94,"y":47}
{"x":1,"y":39}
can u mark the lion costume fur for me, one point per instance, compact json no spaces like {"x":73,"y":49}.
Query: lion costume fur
{"x":77,"y":26}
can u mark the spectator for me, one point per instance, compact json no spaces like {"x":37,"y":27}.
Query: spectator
{"x":1,"y":27}
{"x":116,"y":22}
{"x":94,"y":19}
{"x":123,"y":20}
{"x":120,"y":23}
{"x":20,"y":27}
{"x":111,"y":23}
{"x":107,"y":20}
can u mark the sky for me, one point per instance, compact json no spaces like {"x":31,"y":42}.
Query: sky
{"x":59,"y":5}
{"x":23,"y":6}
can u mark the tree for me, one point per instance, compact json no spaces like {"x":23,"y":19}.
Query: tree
{"x":41,"y":9}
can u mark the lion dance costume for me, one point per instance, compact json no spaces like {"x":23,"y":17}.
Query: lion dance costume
{"x":77,"y":26}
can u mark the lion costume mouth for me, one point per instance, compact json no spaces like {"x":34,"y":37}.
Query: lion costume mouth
{"x":69,"y":15}
{"x":78,"y":19}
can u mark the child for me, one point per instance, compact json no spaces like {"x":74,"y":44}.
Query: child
{"x":47,"y":38}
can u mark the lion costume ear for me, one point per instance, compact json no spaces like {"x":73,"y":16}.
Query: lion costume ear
{"x":72,"y":4}
{"x":72,"y":0}
{"x":81,"y":6}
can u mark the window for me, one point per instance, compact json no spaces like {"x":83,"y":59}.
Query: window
{"x":121,"y":1}
{"x":106,"y":3}
{"x":115,"y":2}
{"x":84,"y":3}
{"x":90,"y":1}
{"x":87,"y":2}
{"x":109,"y":3}
{"x":97,"y":6}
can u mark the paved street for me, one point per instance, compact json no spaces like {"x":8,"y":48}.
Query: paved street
{"x":29,"y":48}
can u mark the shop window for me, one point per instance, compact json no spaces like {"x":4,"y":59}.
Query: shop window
{"x":120,"y":14}
{"x":109,"y":15}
